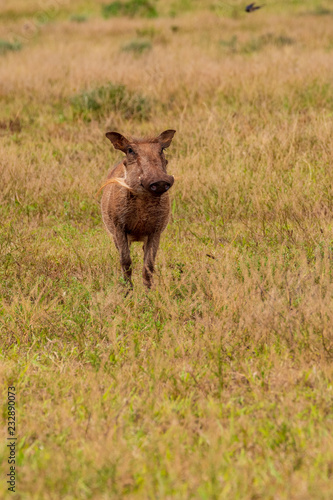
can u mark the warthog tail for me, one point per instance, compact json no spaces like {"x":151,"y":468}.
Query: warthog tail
{"x":114,"y":180}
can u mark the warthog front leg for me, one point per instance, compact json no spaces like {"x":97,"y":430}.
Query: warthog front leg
{"x":122,"y":245}
{"x":150,"y":250}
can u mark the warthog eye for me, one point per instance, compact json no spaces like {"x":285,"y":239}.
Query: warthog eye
{"x":130,"y":151}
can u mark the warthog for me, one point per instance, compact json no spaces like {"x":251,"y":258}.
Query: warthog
{"x":135,"y":202}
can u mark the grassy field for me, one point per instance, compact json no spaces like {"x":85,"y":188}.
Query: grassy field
{"x":217,"y":383}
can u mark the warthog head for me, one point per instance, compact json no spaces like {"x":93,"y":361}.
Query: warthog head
{"x":145,"y":163}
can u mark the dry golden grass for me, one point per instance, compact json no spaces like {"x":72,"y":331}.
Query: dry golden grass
{"x":217,"y":384}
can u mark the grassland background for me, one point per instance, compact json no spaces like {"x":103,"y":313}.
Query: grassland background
{"x":217,"y":384}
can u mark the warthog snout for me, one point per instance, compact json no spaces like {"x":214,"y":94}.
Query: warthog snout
{"x":135,"y":202}
{"x":158,"y":188}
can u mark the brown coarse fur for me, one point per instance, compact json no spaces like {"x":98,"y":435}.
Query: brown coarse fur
{"x":135,"y":203}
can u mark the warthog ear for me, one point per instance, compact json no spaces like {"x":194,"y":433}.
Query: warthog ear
{"x":165,"y":138}
{"x":118,"y":141}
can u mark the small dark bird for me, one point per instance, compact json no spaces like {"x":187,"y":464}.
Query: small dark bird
{"x":252,"y":7}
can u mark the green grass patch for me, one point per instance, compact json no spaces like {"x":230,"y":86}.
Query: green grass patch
{"x":137,"y":46}
{"x":6,"y":46}
{"x":131,"y":8}
{"x":320,"y":10}
{"x":148,"y":32}
{"x":78,"y":18}
{"x":110,"y":98}
{"x":255,"y":44}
